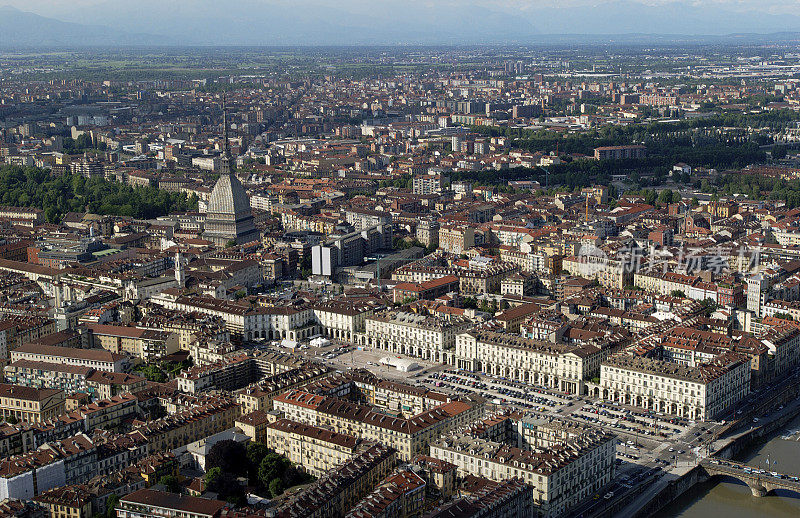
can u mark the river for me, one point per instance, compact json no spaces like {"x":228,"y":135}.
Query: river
{"x":729,"y":499}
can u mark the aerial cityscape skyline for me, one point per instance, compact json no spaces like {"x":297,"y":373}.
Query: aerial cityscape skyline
{"x":422,"y":259}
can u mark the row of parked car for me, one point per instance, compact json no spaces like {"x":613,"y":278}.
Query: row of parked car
{"x":748,"y":469}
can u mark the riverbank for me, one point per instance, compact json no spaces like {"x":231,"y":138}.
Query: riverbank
{"x":675,"y":485}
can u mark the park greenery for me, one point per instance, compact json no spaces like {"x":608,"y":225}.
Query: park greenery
{"x":271,"y":474}
{"x":79,"y":145}
{"x":57,"y":195}
{"x":171,"y":483}
{"x":717,"y":140}
{"x":161,"y":372}
{"x":759,"y":187}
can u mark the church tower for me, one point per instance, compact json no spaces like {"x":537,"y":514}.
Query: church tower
{"x":180,"y":273}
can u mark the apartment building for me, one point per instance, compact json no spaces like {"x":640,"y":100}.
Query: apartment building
{"x":192,"y":424}
{"x":189,"y":327}
{"x":68,"y":378}
{"x":105,"y":385}
{"x":427,"y":232}
{"x":30,"y":404}
{"x":456,"y":238}
{"x":67,"y":502}
{"x":428,"y":290}
{"x":146,"y":344}
{"x":409,"y":436}
{"x":148,"y":503}
{"x":362,"y":219}
{"x":563,"y":367}
{"x":481,"y":278}
{"x":701,"y":392}
{"x":429,"y":183}
{"x":414,"y":334}
{"x":98,"y":359}
{"x":342,"y":320}
{"x":620,"y":152}
{"x":249,"y":322}
{"x":254,"y":425}
{"x":609,"y":272}
{"x":18,"y":330}
{"x":229,"y":373}
{"x":486,"y":498}
{"x":338,"y":491}
{"x":362,"y":386}
{"x":561,"y":476}
{"x":24,"y":476}
{"x":402,"y":494}
{"x":108,"y":413}
{"x":520,"y":284}
{"x":316,"y":449}
{"x":259,"y":396}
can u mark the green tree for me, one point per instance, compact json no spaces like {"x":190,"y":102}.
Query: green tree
{"x":779,"y":151}
{"x":33,"y":187}
{"x":151,"y":372}
{"x":225,"y":485}
{"x":228,"y":455}
{"x":256,"y":452}
{"x":709,"y":306}
{"x":275,"y":487}
{"x":665,"y":197}
{"x":272,"y":466}
{"x":212,"y":475}
{"x":111,"y":505}
{"x":171,"y":482}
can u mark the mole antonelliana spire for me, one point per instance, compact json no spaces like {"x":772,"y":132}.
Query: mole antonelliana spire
{"x":225,"y":161}
{"x":229,"y":217}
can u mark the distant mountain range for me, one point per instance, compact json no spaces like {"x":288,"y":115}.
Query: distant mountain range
{"x":380,"y":22}
{"x":22,"y":29}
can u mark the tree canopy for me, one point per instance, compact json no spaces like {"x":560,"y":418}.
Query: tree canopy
{"x":228,"y":455}
{"x":266,"y":470}
{"x":57,"y":195}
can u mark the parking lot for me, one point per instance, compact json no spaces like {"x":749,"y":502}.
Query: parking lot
{"x":649,"y":447}
{"x":343,"y":356}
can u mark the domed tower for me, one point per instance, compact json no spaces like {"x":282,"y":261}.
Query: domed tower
{"x":229,"y":217}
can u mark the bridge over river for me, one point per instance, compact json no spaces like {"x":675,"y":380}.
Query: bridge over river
{"x":759,"y":481}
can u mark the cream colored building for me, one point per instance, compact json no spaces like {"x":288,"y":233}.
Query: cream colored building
{"x":701,"y":392}
{"x":30,"y":404}
{"x":259,"y":396}
{"x":609,"y":272}
{"x":561,"y":475}
{"x":456,"y":239}
{"x":316,"y":449}
{"x":245,"y":321}
{"x":254,"y":425}
{"x":409,"y":436}
{"x":146,"y":344}
{"x":342,"y":320}
{"x":559,"y":366}
{"x":413,"y":334}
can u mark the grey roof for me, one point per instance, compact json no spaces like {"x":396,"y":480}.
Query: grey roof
{"x":229,"y":197}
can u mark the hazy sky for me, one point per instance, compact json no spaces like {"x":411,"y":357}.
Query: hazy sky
{"x":54,"y":7}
